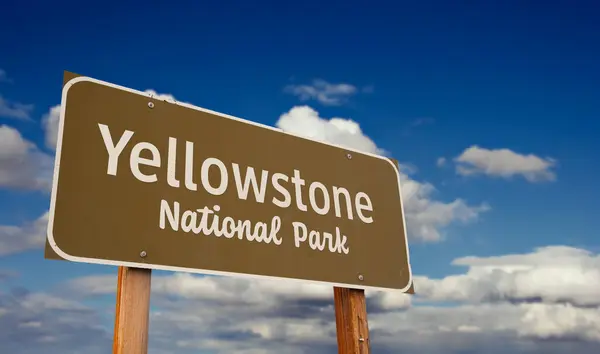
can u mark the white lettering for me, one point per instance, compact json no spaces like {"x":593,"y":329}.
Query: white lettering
{"x":337,"y":191}
{"x":260,"y":231}
{"x":223,"y":176}
{"x":314,"y":240}
{"x":360,"y":207}
{"x":311,"y":197}
{"x":275,"y":227}
{"x":114,"y":151}
{"x":259,"y":193}
{"x":210,"y":224}
{"x":188,"y":220}
{"x":189,"y":167}
{"x":146,"y":165}
{"x":340,"y":243}
{"x":298,"y":183}
{"x":171,"y":161}
{"x":299,"y":227}
{"x":328,"y":239}
{"x":173,"y":216}
{"x":202,"y":226}
{"x":287,"y":198}
{"x":317,"y":241}
{"x":136,"y":160}
{"x":229,"y":227}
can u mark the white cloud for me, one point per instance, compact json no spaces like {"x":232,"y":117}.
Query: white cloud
{"x":561,"y":321}
{"x":235,"y":290}
{"x":425,"y":216}
{"x":323,"y":92}
{"x":38,"y":322}
{"x":463,"y":329}
{"x":440,"y":162}
{"x":22,"y":164}
{"x":15,"y":110}
{"x":553,"y":274}
{"x":504,"y":163}
{"x":42,"y":323}
{"x":489,"y":327}
{"x":561,"y":284}
{"x":238,"y":315}
{"x":15,"y":239}
{"x":50,"y":125}
{"x":306,"y":122}
{"x":161,"y":96}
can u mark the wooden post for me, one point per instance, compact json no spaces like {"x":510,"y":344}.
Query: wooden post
{"x":132,"y":312}
{"x":351,"y":321}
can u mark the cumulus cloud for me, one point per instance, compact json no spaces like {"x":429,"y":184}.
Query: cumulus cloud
{"x":15,"y":110}
{"x":553,"y":274}
{"x":50,"y":125}
{"x":504,"y":163}
{"x":462,"y":329}
{"x":560,"y":321}
{"x":42,"y":323}
{"x":324,"y":92}
{"x":489,"y":328}
{"x":22,"y":164}
{"x":238,"y":315}
{"x":425,"y":216}
{"x":306,"y":122}
{"x":15,"y":239}
{"x":236,"y":290}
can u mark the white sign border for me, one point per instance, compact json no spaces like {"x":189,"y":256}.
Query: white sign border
{"x":68,"y":257}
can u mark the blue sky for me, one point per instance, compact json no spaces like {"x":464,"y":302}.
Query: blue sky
{"x":509,"y":88}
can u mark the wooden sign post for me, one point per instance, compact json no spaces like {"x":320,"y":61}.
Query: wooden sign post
{"x":132,"y":311}
{"x":351,"y":321}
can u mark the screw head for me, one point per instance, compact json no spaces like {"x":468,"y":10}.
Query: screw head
{"x":349,"y":156}
{"x":151,"y":104}
{"x":360,"y":277}
{"x":361,"y":339}
{"x":143,"y":254}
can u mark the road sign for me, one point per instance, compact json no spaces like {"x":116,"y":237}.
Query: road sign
{"x":147,"y":183}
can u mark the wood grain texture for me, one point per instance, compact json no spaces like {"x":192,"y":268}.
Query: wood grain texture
{"x":351,"y":321}
{"x":132,"y":311}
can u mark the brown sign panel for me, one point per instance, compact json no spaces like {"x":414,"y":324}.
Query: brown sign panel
{"x":147,"y":183}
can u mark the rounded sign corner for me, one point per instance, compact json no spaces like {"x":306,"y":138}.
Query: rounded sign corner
{"x":394,"y":165}
{"x":55,"y":248}
{"x":409,"y":282}
{"x":69,"y":84}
